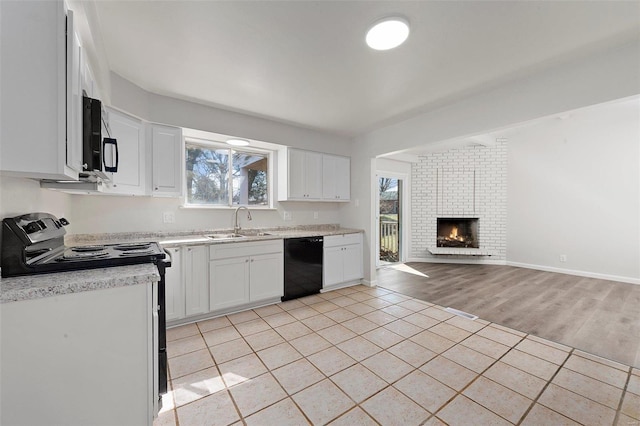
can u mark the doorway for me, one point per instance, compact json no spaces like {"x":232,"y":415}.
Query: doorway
{"x":389,"y":220}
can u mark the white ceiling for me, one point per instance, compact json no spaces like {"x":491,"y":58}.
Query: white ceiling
{"x":306,"y":63}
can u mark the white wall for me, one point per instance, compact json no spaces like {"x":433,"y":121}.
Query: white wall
{"x":578,"y":82}
{"x":162,"y":109}
{"x":101,"y":214}
{"x":19,"y":196}
{"x":574,"y":190}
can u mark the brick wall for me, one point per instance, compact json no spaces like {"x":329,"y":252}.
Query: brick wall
{"x":462,"y":182}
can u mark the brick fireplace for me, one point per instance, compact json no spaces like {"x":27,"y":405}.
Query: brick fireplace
{"x":468,"y":184}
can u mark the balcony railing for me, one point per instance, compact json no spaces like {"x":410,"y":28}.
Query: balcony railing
{"x":389,"y":241}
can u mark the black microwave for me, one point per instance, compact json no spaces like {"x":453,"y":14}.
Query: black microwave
{"x":96,"y":150}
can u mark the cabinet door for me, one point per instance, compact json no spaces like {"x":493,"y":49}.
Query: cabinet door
{"x":336,"y":177}
{"x":75,"y":70}
{"x":329,"y":178}
{"x":167,"y":163}
{"x":174,"y":286}
{"x":33,"y":105}
{"x":332,"y":266}
{"x":343,"y":178}
{"x":297,"y":173}
{"x":129,"y":132}
{"x":352,"y":258}
{"x":267,"y":276}
{"x":196,"y":265}
{"x":313,"y":175}
{"x":229,"y":280}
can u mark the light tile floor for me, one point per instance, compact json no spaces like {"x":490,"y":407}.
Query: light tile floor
{"x":367,"y":356}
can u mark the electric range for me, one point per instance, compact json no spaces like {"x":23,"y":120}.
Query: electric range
{"x":34,"y":244}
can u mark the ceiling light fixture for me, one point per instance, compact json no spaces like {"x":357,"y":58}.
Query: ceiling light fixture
{"x":388,"y":33}
{"x":238,"y":142}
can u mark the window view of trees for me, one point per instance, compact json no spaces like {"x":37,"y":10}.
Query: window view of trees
{"x":221,"y":176}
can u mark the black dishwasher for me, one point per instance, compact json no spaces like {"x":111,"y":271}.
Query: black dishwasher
{"x":302,"y":267}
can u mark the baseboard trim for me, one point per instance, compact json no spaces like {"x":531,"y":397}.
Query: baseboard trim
{"x":469,"y":261}
{"x":587,"y":274}
{"x":370,"y":283}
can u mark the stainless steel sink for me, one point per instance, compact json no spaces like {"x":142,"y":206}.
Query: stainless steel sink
{"x":224,"y":236}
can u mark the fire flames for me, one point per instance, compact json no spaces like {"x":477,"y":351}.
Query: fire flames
{"x":454,"y":234}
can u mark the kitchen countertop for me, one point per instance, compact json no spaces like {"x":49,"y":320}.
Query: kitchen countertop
{"x":46,"y":285}
{"x":197,"y":237}
{"x":54,"y":284}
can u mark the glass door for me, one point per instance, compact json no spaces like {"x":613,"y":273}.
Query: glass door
{"x":389,"y":219}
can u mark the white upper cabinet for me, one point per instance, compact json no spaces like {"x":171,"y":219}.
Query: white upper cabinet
{"x":312,"y":176}
{"x":167,"y":161}
{"x":336,"y":178}
{"x":302,"y":177}
{"x":129,"y":133}
{"x":41,"y":103}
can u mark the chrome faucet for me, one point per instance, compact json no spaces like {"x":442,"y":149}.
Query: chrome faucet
{"x":237,"y":227}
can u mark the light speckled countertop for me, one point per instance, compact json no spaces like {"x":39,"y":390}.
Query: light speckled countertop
{"x":193,"y":237}
{"x":46,"y":285}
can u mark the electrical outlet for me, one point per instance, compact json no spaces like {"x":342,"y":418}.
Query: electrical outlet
{"x":315,"y":215}
{"x":287,"y":215}
{"x":563,"y":258}
{"x":169,"y":217}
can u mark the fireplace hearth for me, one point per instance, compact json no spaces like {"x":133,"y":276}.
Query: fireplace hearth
{"x":457,"y":232}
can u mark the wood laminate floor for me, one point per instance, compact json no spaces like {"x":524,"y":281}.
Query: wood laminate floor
{"x":597,"y":316}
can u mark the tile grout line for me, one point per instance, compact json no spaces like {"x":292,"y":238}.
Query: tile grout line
{"x":623,"y":396}
{"x":544,"y":388}
{"x":382,"y":349}
{"x":460,"y":392}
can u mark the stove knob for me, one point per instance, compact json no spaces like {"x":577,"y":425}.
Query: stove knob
{"x":64,"y":221}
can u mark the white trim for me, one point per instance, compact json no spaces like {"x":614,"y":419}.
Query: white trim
{"x":405,"y":209}
{"x":608,"y":277}
{"x":467,"y":261}
{"x":370,"y":283}
{"x":587,"y":274}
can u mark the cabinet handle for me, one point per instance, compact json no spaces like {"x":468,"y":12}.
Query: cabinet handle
{"x":246,"y":261}
{"x":251,"y":260}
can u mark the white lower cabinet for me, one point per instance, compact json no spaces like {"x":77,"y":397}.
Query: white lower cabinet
{"x":196,"y":280}
{"x":187,"y":282}
{"x":72,"y":358}
{"x":342,"y":259}
{"x":267,"y":276}
{"x":229,"y":282}
{"x":243,"y":273}
{"x":174,"y":286}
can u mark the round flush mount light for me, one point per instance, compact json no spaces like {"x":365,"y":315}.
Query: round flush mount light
{"x":388,"y":33}
{"x":238,"y":142}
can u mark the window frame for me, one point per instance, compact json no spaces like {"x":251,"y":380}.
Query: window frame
{"x":215,"y":144}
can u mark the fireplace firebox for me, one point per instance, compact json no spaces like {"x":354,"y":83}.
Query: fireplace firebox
{"x":458,"y":232}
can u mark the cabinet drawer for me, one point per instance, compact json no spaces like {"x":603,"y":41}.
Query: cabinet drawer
{"x":341,"y":240}
{"x":227,"y":250}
